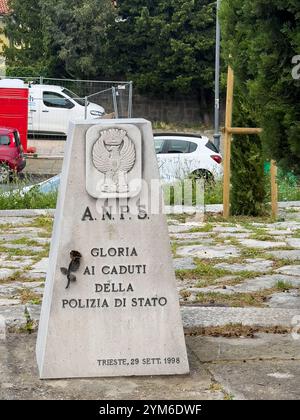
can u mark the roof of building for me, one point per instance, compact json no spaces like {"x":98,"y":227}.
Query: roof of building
{"x":3,"y":7}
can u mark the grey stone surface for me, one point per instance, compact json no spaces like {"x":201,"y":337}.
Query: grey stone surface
{"x":255,"y":317}
{"x":26,"y":213}
{"x":209,"y":252}
{"x":265,"y":282}
{"x":253,"y":243}
{"x":289,"y":300}
{"x":255,"y":265}
{"x":262,"y":346}
{"x":281,"y":233}
{"x":9,"y":302}
{"x":6,"y":273}
{"x":230,"y":229}
{"x":184,"y":264}
{"x":184,"y":227}
{"x":19,"y":380}
{"x":234,"y":235}
{"x":15,"y":220}
{"x":12,"y":289}
{"x":259,"y":380}
{"x":291,"y":255}
{"x":2,"y":329}
{"x":41,"y":266}
{"x":195,"y":236}
{"x":14,"y":316}
{"x":291,"y":270}
{"x":16,"y":263}
{"x":31,"y":249}
{"x":293,"y":242}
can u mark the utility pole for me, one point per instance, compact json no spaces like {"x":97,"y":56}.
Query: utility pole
{"x":217,"y":134}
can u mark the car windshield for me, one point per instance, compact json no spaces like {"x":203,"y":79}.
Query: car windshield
{"x":73,"y":95}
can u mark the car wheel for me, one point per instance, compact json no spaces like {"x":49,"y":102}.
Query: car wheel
{"x":4,"y":174}
{"x":205,"y":175}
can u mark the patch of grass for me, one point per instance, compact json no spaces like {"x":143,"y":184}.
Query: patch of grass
{"x":29,"y":296}
{"x":26,"y":241}
{"x":44,"y":222}
{"x":203,"y":271}
{"x":240,"y":300}
{"x":202,"y":229}
{"x":215,"y":387}
{"x":261,"y":237}
{"x":33,"y":199}
{"x":244,"y":221}
{"x":16,"y":252}
{"x":179,"y":217}
{"x":228,"y":397}
{"x":284,"y":285}
{"x":235,"y":331}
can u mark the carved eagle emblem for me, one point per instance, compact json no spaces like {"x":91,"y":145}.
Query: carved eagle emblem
{"x":114,"y":155}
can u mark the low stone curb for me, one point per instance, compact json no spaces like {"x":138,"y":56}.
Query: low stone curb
{"x":210,"y":208}
{"x":17,"y":317}
{"x":195,"y":317}
{"x":27,"y":213}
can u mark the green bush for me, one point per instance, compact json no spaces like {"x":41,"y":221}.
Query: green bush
{"x":32,"y":199}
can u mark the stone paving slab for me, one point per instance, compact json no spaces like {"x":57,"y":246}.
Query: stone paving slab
{"x":183,"y":227}
{"x":253,"y":243}
{"x":184,"y":264}
{"x":9,"y":302}
{"x":209,"y":252}
{"x":265,"y":282}
{"x":27,"y":213}
{"x":259,"y":380}
{"x":24,"y":247}
{"x":290,"y":255}
{"x":15,"y":220}
{"x":290,"y":270}
{"x":262,"y":346}
{"x":41,"y":266}
{"x":253,"y":265}
{"x":5,"y":273}
{"x":293,"y":242}
{"x":289,"y":300}
{"x":255,"y":317}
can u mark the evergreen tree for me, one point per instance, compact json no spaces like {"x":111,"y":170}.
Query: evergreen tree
{"x":23,"y":27}
{"x":263,"y":38}
{"x":165,"y":46}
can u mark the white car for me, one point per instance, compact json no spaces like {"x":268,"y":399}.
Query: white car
{"x":183,"y":155}
{"x":51,"y":108}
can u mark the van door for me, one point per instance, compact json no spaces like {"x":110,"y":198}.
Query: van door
{"x":34,"y":109}
{"x":56,"y":112}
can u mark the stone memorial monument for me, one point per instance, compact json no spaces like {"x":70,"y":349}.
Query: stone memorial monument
{"x":110,"y":305}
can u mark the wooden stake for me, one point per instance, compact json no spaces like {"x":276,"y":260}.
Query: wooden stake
{"x":227,"y":146}
{"x":244,"y":131}
{"x":274,"y":189}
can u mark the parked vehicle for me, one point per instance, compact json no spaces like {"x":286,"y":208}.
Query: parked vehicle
{"x":51,"y":108}
{"x":185,"y":155}
{"x":11,"y":153}
{"x":179,"y":155}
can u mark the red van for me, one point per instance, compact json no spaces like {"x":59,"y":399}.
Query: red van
{"x":12,"y":157}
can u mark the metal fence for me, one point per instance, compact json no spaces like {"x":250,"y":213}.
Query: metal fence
{"x":50,"y":111}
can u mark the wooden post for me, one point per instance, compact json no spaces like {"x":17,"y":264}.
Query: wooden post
{"x":227,"y":144}
{"x":274,"y":189}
